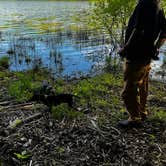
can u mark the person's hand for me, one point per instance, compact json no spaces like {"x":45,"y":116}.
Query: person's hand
{"x":155,"y":53}
{"x":122,"y":52}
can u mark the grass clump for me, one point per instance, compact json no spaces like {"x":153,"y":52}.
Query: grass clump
{"x":63,"y":111}
{"x":21,"y":88}
{"x":24,"y":83}
{"x":4,"y":62}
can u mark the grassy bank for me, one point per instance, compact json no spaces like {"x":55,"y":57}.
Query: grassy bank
{"x":100,"y":94}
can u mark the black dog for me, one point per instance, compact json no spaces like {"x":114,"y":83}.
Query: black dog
{"x":46,"y":95}
{"x":55,"y":100}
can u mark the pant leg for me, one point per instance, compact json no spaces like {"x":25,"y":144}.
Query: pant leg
{"x":131,"y":100}
{"x":134,"y":75}
{"x":143,"y":91}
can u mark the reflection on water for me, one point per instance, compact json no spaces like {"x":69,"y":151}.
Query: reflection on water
{"x":45,"y":34}
{"x":63,"y":53}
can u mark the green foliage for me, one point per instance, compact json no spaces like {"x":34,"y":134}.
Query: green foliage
{"x":159,"y":114}
{"x":21,"y":88}
{"x":60,"y":150}
{"x":15,"y":123}
{"x":98,"y":85}
{"x":152,"y":137}
{"x":3,"y":74}
{"x":112,"y":16}
{"x":163,"y":4}
{"x":22,"y":156}
{"x":4,"y":62}
{"x":64,"y":111}
{"x":113,"y":64}
{"x":98,"y":92}
{"x":25,"y":82}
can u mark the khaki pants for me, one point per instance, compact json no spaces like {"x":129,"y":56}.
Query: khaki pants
{"x":135,"y":89}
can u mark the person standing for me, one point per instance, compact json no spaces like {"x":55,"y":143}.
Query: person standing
{"x":145,"y":34}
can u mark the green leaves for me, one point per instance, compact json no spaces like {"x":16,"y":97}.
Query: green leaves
{"x":64,"y":111}
{"x":22,"y":156}
{"x":112,"y":16}
{"x":21,"y":88}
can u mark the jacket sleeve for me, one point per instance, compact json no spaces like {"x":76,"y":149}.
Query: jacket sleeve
{"x":138,"y":25}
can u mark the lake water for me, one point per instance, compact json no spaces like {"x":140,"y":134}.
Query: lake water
{"x":46,"y":33}
{"x":53,"y":35}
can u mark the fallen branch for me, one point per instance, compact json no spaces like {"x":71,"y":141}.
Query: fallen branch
{"x":4,"y":103}
{"x":17,"y":106}
{"x":32,"y":118}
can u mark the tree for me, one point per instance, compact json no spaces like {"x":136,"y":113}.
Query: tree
{"x":112,"y":16}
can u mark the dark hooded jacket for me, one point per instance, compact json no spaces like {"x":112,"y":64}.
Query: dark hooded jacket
{"x":150,"y":24}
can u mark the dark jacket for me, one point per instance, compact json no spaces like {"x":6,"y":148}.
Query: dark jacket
{"x":148,"y":23}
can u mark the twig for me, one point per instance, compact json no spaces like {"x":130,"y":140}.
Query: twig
{"x":30,"y":164}
{"x":96,"y":128}
{"x":159,"y":148}
{"x":4,"y":103}
{"x":33,"y":117}
{"x":115,"y":130}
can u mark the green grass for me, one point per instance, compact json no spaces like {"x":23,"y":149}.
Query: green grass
{"x":21,"y":89}
{"x":96,"y":91}
{"x":158,"y":114}
{"x":64,"y":111}
{"x":24,"y":83}
{"x":100,"y":94}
